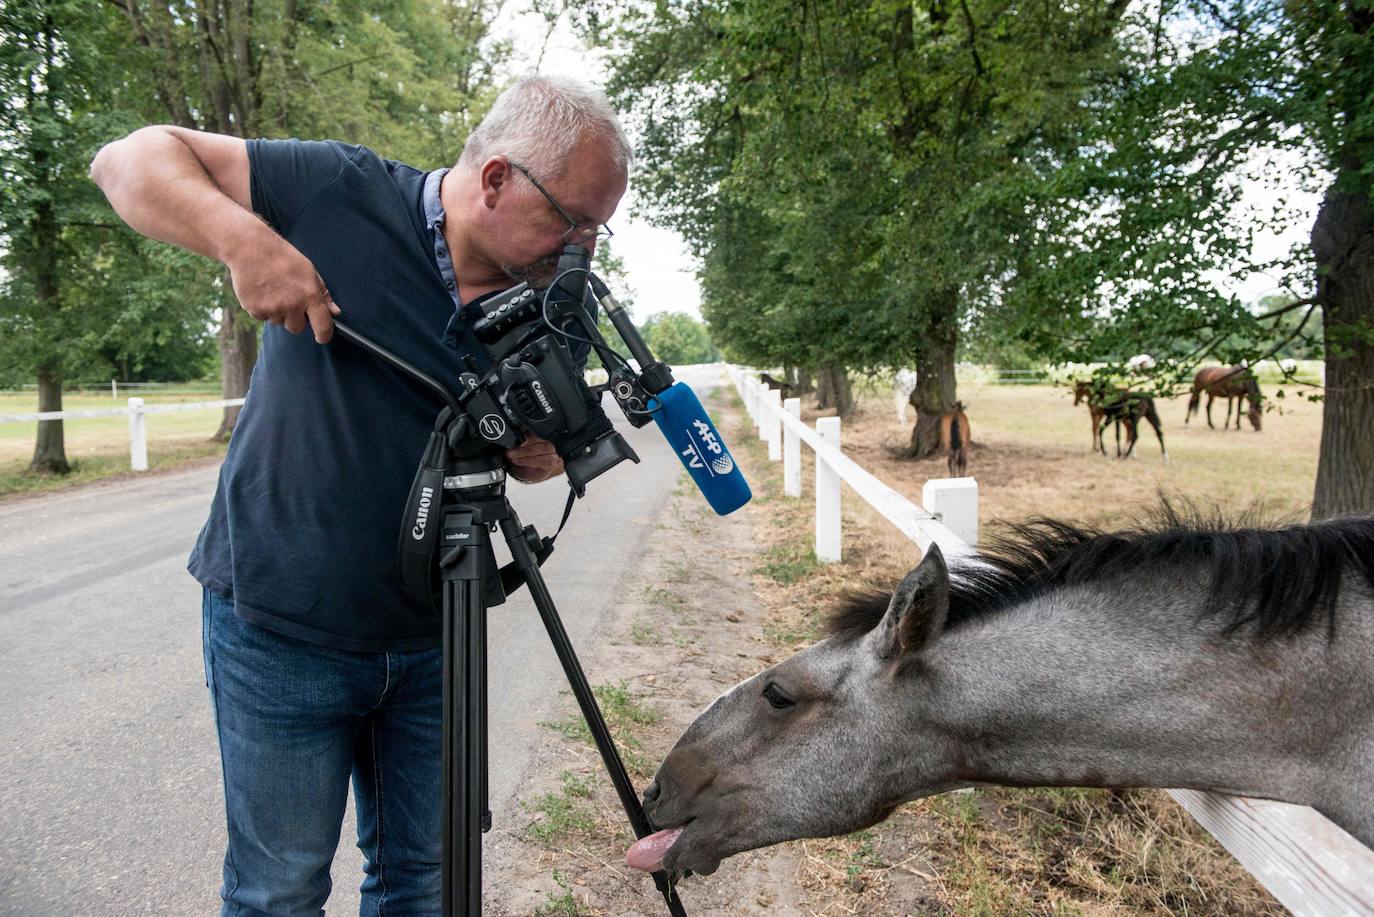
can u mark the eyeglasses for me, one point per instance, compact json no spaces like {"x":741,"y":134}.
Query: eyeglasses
{"x":577,"y":232}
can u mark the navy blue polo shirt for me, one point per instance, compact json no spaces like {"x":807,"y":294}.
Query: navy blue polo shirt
{"x":302,"y":531}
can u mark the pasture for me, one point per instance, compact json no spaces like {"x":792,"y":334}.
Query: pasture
{"x":98,"y":447}
{"x":1031,"y":456}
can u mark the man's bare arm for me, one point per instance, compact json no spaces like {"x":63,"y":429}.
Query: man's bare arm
{"x":192,"y":189}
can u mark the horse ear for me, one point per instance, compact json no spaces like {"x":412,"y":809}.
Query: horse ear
{"x":916,"y":614}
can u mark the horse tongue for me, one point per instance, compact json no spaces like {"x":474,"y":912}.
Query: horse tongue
{"x":647,"y":852}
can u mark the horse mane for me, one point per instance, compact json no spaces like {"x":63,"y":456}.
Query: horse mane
{"x":1276,"y":581}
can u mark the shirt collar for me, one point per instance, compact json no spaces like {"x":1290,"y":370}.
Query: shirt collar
{"x":434,"y":207}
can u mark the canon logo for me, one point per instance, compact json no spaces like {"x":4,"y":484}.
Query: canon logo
{"x":543,"y":399}
{"x":422,"y":516}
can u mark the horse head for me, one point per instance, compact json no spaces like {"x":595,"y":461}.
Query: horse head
{"x":1256,"y":406}
{"x":810,"y":747}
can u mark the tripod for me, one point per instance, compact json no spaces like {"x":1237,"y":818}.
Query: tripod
{"x":473,"y":504}
{"x":471,"y":490}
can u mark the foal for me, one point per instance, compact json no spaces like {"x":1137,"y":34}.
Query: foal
{"x":955,"y":439}
{"x":1108,"y":404}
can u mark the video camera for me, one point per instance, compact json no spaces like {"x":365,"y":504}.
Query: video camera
{"x":535,"y":385}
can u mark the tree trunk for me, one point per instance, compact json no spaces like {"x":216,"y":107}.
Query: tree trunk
{"x":50,"y":448}
{"x":800,"y":380}
{"x":824,"y":388}
{"x":934,"y":393}
{"x":238,"y":352}
{"x":50,"y":451}
{"x":841,"y":394}
{"x":1343,"y":245}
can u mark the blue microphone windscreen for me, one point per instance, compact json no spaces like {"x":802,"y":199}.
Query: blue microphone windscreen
{"x":688,"y":429}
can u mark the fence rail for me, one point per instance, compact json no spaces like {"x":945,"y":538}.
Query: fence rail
{"x":138,"y":427}
{"x":1307,"y":862}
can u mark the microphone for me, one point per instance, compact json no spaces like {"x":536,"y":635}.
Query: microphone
{"x":688,"y":429}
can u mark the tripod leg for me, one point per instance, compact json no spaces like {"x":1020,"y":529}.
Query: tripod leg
{"x":586,"y":700}
{"x":476,"y":750}
{"x":464,"y":750}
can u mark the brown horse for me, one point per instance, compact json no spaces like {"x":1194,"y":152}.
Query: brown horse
{"x":778,"y":384}
{"x":1226,"y":382}
{"x":1108,"y":404}
{"x":954,"y":439}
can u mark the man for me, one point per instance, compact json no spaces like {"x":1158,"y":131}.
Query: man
{"x":320,"y":665}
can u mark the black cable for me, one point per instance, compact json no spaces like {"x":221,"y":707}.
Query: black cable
{"x":601,"y":347}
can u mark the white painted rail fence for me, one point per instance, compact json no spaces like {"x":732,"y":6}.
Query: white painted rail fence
{"x":1308,"y":863}
{"x":138,"y":427}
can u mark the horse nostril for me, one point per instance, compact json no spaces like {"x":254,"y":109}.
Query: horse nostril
{"x":652,"y":792}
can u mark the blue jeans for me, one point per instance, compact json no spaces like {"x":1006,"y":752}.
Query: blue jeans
{"x":295,"y":721}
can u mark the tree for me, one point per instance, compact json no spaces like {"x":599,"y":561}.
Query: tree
{"x":855,"y":149}
{"x":62,"y":92}
{"x":678,"y":339}
{"x":1132,"y":229}
{"x":408,"y":79}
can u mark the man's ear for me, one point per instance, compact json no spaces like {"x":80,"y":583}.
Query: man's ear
{"x":496,"y":176}
{"x":916,"y":614}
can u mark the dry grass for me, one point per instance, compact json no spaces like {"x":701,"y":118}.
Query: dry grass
{"x":1031,"y":456}
{"x":1005,"y":851}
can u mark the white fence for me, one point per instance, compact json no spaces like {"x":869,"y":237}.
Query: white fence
{"x":138,"y":427}
{"x":1306,"y":861}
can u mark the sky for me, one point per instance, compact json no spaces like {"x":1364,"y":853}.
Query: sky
{"x":658,"y":267}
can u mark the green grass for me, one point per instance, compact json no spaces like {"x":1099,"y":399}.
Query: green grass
{"x":623,"y":714}
{"x":561,"y":812}
{"x":665,"y":598}
{"x":642,"y":633}
{"x":788,"y":563}
{"x":561,"y":905}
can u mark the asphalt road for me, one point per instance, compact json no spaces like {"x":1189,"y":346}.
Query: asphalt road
{"x":110,"y":794}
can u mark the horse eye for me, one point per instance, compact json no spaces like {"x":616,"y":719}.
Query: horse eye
{"x":773,"y":694}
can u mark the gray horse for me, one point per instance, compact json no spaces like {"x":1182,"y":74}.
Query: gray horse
{"x":1192,"y":655}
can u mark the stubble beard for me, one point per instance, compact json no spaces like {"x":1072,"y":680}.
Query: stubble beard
{"x":537,"y":273}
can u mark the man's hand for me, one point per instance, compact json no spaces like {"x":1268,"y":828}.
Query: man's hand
{"x":275,"y":283}
{"x":533,"y":461}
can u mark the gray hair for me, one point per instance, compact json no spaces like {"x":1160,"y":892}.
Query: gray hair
{"x":539,"y":120}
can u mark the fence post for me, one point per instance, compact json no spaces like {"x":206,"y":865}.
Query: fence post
{"x":791,"y":452}
{"x":827,"y":495}
{"x":749,"y":396}
{"x":774,"y":422}
{"x":760,"y":405}
{"x":114,"y":389}
{"x":954,"y":501}
{"x":138,"y":436}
